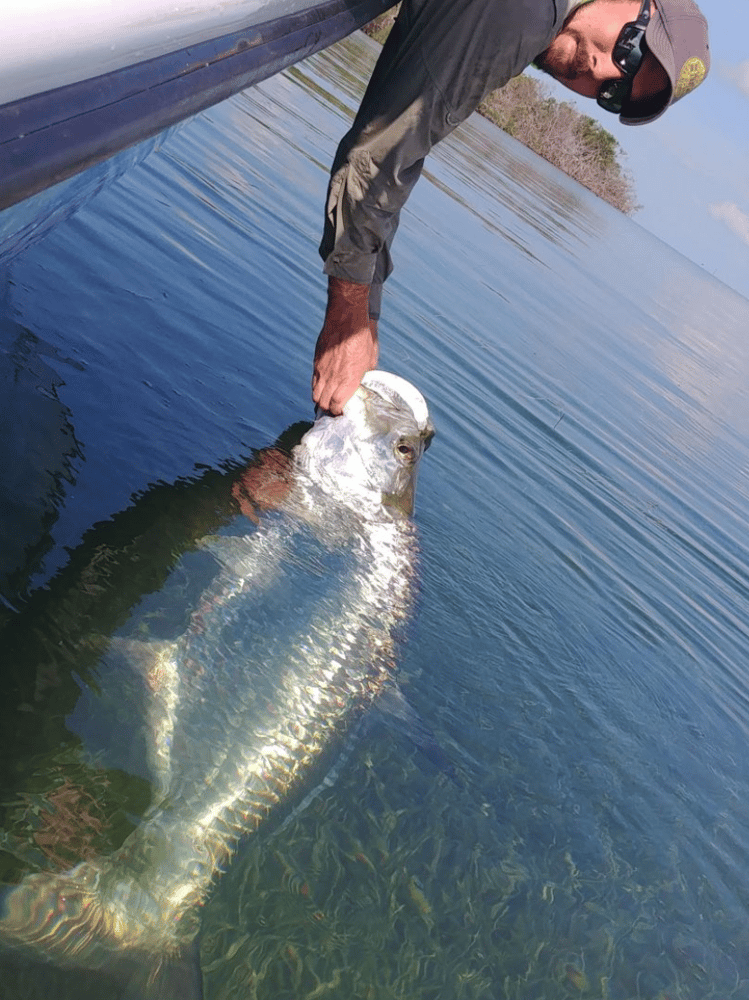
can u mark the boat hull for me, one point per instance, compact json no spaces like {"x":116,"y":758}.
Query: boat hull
{"x":50,"y":136}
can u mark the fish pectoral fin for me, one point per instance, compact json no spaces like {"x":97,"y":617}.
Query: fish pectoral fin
{"x":143,"y":654}
{"x":170,"y":977}
{"x":395,"y":711}
{"x":157,"y":664}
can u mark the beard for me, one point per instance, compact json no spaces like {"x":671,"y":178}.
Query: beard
{"x":567,"y":55}
{"x":565,"y":59}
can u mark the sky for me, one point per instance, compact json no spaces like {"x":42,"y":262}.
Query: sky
{"x":691,"y":166}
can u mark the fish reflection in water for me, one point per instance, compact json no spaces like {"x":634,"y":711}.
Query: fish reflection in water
{"x":292,"y":638}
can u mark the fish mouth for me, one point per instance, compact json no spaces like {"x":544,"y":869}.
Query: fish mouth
{"x":396,"y":390}
{"x":403,"y":395}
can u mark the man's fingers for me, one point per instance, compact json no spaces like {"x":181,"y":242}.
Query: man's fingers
{"x":332,"y":397}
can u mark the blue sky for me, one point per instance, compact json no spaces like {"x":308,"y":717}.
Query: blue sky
{"x":691,"y":167}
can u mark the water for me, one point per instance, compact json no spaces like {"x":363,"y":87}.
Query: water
{"x":581,"y":642}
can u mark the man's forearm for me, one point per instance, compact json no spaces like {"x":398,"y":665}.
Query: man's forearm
{"x":347,"y":302}
{"x":347,"y":345}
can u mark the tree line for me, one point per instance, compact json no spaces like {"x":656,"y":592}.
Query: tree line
{"x":556,"y":130}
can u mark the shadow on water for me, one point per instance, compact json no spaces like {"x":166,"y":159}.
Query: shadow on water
{"x":39,"y":456}
{"x":32,"y":980}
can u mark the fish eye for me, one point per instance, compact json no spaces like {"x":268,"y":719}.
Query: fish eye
{"x":405,"y":451}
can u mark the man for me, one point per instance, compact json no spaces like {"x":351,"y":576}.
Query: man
{"x":440,"y":60}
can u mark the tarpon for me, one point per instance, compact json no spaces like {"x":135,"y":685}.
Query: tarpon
{"x":270,"y":673}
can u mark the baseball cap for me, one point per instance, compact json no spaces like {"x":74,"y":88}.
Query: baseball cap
{"x":677,"y":37}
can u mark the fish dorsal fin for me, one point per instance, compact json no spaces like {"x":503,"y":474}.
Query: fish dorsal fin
{"x":254,"y":558}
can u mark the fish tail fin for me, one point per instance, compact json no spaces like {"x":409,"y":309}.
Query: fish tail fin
{"x":61,"y":918}
{"x":56,"y":915}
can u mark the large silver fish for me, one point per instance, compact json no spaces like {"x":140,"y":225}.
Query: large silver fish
{"x":293,"y":637}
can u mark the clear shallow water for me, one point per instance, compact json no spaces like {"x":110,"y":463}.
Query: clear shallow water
{"x":581,"y":641}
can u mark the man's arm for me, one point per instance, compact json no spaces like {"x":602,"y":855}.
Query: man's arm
{"x":441,"y":58}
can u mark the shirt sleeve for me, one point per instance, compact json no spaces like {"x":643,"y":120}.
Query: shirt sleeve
{"x":440,"y":60}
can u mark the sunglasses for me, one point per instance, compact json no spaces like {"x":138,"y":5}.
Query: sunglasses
{"x":629,"y":51}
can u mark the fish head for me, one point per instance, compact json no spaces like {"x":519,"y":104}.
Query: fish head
{"x":369,"y":455}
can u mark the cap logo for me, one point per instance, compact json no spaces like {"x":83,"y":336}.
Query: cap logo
{"x":692,"y":73}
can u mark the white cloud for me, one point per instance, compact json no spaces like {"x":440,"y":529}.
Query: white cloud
{"x":739,"y":74}
{"x":735,"y":218}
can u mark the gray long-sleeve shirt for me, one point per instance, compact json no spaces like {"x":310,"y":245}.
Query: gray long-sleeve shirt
{"x":441,"y":59}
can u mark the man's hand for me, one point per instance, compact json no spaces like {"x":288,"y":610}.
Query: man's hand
{"x":346,"y":348}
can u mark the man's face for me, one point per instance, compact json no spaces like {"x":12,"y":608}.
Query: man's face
{"x":580,"y":55}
